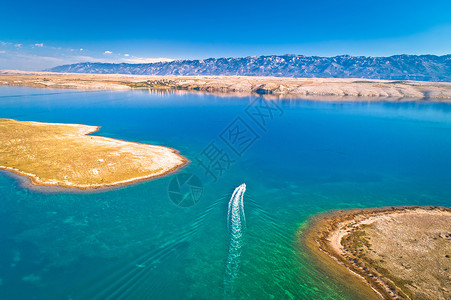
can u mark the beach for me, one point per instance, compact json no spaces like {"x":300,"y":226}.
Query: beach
{"x":337,"y":89}
{"x":399,"y":252}
{"x":67,"y":155}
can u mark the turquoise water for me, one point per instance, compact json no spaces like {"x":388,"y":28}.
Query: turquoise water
{"x":135,"y":243}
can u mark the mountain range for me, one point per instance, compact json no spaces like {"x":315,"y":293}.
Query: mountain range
{"x":397,"y":67}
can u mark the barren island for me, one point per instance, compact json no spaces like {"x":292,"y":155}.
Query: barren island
{"x":395,"y":253}
{"x":67,"y":155}
{"x":273,"y":87}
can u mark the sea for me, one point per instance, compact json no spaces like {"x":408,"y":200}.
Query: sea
{"x":197,"y":233}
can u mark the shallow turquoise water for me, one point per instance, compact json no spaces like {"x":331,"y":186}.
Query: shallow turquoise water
{"x":135,"y":243}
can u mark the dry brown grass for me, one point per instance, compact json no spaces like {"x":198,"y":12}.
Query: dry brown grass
{"x":411,"y":250}
{"x":402,"y":252}
{"x":65,"y":155}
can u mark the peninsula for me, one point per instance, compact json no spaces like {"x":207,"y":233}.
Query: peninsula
{"x":400,"y":252}
{"x":66,"y":155}
{"x":281,"y":87}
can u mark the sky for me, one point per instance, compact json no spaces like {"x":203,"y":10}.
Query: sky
{"x":36,"y":35}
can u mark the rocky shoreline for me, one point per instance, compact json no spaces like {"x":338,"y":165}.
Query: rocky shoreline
{"x":310,"y":88}
{"x":67,"y":155}
{"x":400,"y":252}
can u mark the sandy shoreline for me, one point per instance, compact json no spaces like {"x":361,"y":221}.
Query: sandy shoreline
{"x":67,"y":155}
{"x":308,"y":88}
{"x":376,"y":245}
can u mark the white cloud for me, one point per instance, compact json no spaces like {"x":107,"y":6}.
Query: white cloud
{"x":40,"y":56}
{"x":28,"y":62}
{"x":73,"y":50}
{"x":146,"y":60}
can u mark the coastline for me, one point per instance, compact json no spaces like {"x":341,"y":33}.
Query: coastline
{"x":34,"y":180}
{"x":323,"y":240}
{"x":84,"y":132}
{"x":336,"y":89}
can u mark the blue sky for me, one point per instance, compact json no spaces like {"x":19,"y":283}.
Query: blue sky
{"x":39,"y":34}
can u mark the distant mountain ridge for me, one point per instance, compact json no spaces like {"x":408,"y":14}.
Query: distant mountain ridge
{"x":397,"y":67}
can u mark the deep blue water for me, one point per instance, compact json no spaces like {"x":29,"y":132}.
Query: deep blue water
{"x":135,"y":243}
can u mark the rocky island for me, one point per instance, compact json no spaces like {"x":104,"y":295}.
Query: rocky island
{"x":400,"y":252}
{"x":67,"y":155}
{"x":274,"y":87}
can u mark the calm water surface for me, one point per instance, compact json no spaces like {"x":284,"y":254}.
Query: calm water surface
{"x":297,"y":158}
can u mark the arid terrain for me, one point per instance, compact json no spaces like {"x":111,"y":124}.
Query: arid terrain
{"x":282,"y":87}
{"x":66,"y":155}
{"x":401,"y":253}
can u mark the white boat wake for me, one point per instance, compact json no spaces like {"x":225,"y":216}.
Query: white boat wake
{"x":236,"y":220}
